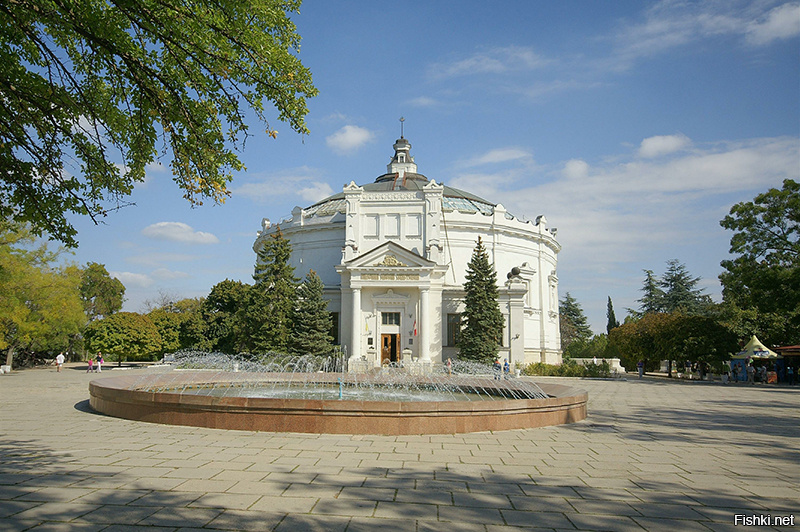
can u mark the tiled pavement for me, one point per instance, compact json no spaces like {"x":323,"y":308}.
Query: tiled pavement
{"x":653,"y":455}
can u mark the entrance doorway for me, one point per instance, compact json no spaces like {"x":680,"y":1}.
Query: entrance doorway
{"x":390,"y":347}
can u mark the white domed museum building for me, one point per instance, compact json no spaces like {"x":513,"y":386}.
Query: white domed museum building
{"x":393,"y":257}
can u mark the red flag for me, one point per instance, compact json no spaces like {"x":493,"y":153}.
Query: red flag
{"x":415,"y":327}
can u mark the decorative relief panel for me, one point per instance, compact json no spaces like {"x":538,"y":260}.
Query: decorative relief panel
{"x":390,"y":260}
{"x":389,"y":196}
{"x":390,"y":277}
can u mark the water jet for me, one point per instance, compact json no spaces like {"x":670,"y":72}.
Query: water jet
{"x":316,"y":395}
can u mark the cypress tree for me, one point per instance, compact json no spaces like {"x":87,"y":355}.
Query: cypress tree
{"x":274,"y":295}
{"x":612,"y":318}
{"x":312,"y":321}
{"x":482,"y":321}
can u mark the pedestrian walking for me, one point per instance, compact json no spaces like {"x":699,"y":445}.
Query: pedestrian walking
{"x":59,"y":362}
{"x":90,"y":369}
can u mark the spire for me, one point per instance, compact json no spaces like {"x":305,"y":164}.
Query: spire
{"x":402,"y":161}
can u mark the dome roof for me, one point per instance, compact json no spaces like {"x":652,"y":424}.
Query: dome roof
{"x":402,"y":175}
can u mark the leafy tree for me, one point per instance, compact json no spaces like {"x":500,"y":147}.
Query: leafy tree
{"x":675,"y":336}
{"x":761,"y":285}
{"x":481,"y":321}
{"x":101,"y":294}
{"x":272,"y":299}
{"x":649,"y":339}
{"x":596,"y":346}
{"x":170,"y":323}
{"x":102,"y":83}
{"x":40,"y":307}
{"x":123,"y":335}
{"x":223,"y":313}
{"x":611,"y":316}
{"x":312,"y":321}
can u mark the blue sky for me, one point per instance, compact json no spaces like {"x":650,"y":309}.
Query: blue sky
{"x":632,"y":126}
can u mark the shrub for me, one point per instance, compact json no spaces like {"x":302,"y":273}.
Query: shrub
{"x":569,"y":368}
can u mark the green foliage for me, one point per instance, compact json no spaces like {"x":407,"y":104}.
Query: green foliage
{"x":569,"y":368}
{"x":101,"y":294}
{"x":675,"y":291}
{"x":653,"y":298}
{"x":674,"y":337}
{"x":597,"y":346}
{"x":611,"y":317}
{"x":124,"y":336}
{"x":272,"y":299}
{"x":482,"y":321}
{"x":573,"y":322}
{"x":170,"y":322}
{"x":101,"y":83}
{"x":40,"y":308}
{"x":761,"y":286}
{"x":312,"y":322}
{"x":223,"y":312}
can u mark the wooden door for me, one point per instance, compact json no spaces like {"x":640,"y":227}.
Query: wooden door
{"x":390,"y":347}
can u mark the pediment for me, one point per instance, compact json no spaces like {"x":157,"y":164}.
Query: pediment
{"x":389,"y":255}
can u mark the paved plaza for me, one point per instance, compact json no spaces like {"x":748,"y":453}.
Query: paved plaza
{"x":652,"y":455}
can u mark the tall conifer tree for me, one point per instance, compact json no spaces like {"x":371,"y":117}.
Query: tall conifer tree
{"x":274,"y":295}
{"x":574,"y":324}
{"x":482,"y":321}
{"x":612,"y":317}
{"x":312,"y":321}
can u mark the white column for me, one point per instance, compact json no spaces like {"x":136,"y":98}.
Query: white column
{"x":355,"y":325}
{"x":424,"y":326}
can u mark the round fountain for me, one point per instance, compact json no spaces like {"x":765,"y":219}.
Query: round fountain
{"x":328,"y":395}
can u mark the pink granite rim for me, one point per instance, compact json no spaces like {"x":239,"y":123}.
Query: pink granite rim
{"x":124,"y":397}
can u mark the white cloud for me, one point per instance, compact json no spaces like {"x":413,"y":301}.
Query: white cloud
{"x":639,"y":207}
{"x":302,"y":182}
{"x":663,"y":145}
{"x":500,"y":155}
{"x":316,"y":192}
{"x":575,"y":169}
{"x":130,"y":279}
{"x":423,"y":101}
{"x":783,"y":22}
{"x":156,"y":168}
{"x":165,"y":275}
{"x":349,"y":138}
{"x":668,"y":24}
{"x":178,"y":232}
{"x":494,"y":61}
